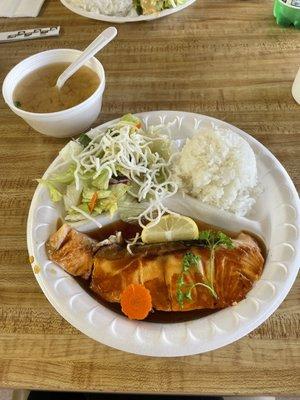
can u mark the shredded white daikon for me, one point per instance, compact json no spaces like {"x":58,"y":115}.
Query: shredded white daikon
{"x":132,"y":242}
{"x":124,"y":150}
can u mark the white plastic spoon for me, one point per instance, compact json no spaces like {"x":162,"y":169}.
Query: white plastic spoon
{"x":101,"y":41}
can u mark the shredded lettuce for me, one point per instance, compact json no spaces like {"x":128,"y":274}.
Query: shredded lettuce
{"x":130,"y":120}
{"x":124,"y":168}
{"x":66,"y":177}
{"x":102,"y":180}
{"x":88,"y":193}
{"x":72,"y":196}
{"x":55,"y":195}
{"x":129,"y":208}
{"x":72,"y":148}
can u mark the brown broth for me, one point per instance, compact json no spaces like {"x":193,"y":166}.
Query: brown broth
{"x":171,"y":317}
{"x":37,"y":92}
{"x":128,"y":232}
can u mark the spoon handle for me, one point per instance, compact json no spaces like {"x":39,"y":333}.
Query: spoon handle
{"x":101,"y":41}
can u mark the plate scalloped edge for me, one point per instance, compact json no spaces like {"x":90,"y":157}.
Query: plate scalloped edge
{"x":187,"y":338}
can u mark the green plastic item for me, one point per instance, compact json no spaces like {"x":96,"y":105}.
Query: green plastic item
{"x":287,"y":12}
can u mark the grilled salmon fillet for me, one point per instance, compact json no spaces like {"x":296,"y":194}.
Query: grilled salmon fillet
{"x":111,"y":268}
{"x":234,"y":274}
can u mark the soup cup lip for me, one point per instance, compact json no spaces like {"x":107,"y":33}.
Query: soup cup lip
{"x":29,"y":114}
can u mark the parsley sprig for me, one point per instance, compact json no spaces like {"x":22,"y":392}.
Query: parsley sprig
{"x":212,"y":240}
{"x":215,"y":239}
{"x":189,"y":261}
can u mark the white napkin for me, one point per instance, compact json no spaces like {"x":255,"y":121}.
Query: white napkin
{"x":20,"y":8}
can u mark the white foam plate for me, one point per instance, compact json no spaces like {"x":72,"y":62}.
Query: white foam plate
{"x":278,"y":212}
{"x":120,"y":20}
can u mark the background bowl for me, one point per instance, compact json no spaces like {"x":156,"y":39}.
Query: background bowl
{"x":64,"y":123}
{"x":121,"y":20}
{"x":296,"y":88}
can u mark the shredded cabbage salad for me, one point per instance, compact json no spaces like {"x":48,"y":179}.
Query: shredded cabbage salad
{"x":154,"y":6}
{"x":124,"y":169}
{"x":125,"y":7}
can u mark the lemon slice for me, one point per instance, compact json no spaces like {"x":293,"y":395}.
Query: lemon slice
{"x":171,"y":228}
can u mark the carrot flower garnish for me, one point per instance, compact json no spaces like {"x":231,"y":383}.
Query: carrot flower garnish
{"x":136,"y":301}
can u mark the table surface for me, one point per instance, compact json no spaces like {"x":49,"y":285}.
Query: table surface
{"x":224,"y":58}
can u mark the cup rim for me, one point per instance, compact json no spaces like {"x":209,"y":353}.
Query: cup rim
{"x":24,"y":113}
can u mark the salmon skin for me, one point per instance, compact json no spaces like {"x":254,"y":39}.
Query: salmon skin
{"x":111,"y":268}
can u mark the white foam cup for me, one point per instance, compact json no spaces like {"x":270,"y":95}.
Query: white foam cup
{"x":64,"y":123}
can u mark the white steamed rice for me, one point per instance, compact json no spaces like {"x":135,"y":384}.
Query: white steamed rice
{"x":106,"y":7}
{"x":218,"y":167}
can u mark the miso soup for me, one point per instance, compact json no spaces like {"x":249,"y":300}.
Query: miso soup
{"x":37,"y":93}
